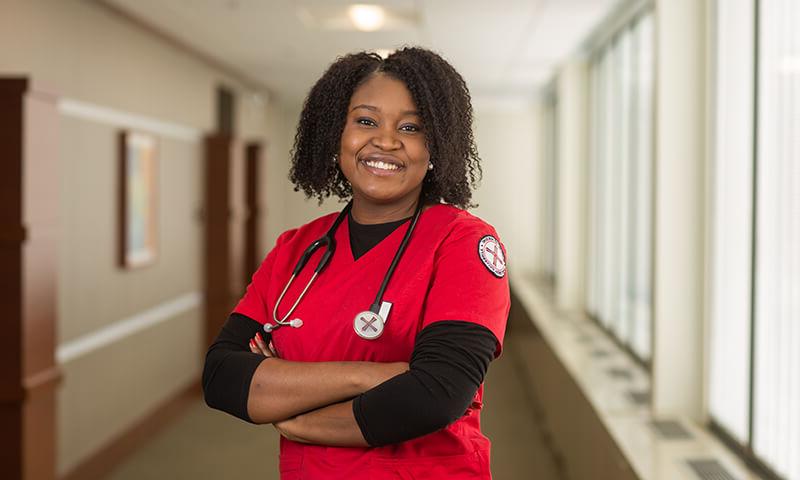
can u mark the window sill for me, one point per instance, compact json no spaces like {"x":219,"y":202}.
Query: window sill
{"x":606,"y":377}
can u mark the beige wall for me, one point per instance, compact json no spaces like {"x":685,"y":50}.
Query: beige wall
{"x":573,"y":151}
{"x":93,"y":290}
{"x":89,"y":54}
{"x":682,"y":39}
{"x":292,"y":209}
{"x":508,"y":139}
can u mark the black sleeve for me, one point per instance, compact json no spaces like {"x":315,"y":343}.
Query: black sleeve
{"x":447,"y":367}
{"x":230,"y":366}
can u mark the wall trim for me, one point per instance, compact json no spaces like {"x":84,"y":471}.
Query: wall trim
{"x":99,"y":464}
{"x":126,"y":327}
{"x":120,"y":118}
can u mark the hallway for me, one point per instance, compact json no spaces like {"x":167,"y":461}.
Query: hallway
{"x":634,"y":161}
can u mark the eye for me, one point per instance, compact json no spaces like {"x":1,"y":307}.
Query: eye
{"x":410,"y":127}
{"x":366,"y":121}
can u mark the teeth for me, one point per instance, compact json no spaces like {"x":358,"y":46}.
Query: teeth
{"x":381,"y":165}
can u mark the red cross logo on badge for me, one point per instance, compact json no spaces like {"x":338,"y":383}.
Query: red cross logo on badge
{"x":492,"y":255}
{"x":368,"y":325}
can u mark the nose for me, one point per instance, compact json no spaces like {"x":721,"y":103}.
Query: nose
{"x":386,"y":139}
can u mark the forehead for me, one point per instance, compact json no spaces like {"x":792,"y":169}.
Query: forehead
{"x":385,"y":92}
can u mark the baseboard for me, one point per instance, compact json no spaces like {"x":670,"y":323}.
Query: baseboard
{"x":99,"y":464}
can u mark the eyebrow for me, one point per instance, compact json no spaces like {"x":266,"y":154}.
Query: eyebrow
{"x":376,"y":109}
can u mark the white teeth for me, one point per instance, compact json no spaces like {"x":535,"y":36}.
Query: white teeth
{"x":381,"y":165}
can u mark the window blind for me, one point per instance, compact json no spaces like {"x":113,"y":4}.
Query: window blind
{"x":776,"y":432}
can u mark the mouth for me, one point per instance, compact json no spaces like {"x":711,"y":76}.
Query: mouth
{"x":381,"y":164}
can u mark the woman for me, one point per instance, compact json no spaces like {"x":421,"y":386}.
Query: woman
{"x":362,"y":382}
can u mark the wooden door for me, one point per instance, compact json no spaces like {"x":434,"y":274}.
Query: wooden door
{"x":29,"y":374}
{"x":231,"y":225}
{"x":252,"y":254}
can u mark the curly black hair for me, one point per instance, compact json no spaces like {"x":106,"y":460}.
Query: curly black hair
{"x":442,"y":99}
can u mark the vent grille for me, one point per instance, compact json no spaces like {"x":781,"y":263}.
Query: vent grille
{"x":639,"y":398}
{"x":710,"y":470}
{"x":620,"y":373}
{"x":600,"y":353}
{"x":671,"y":430}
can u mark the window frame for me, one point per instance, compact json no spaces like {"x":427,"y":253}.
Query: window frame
{"x":744,"y":450}
{"x":603,"y":46}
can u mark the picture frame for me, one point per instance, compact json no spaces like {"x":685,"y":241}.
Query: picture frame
{"x":138,"y":201}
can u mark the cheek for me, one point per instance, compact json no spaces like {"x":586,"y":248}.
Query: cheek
{"x":419,"y":152}
{"x":351,"y":141}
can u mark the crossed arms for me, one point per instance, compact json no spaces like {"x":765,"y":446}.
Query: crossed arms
{"x":349,"y":403}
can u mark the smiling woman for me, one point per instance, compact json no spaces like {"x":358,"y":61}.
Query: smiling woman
{"x":394,"y":391}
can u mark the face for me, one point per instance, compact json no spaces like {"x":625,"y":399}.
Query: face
{"x":383,"y":150}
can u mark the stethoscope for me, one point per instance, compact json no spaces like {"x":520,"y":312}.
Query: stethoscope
{"x":368,"y":324}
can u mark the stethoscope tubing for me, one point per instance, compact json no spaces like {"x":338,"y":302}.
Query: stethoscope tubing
{"x":330,"y":246}
{"x":376,"y":305}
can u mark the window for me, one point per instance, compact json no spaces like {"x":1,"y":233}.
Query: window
{"x":754,"y":337}
{"x":619,"y":271}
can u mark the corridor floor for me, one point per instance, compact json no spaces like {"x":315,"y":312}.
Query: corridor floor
{"x":206,"y":444}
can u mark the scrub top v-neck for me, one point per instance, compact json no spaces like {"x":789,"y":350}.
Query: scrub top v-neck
{"x":363,"y":237}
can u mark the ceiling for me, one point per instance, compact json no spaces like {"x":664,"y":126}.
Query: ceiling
{"x":505,"y":49}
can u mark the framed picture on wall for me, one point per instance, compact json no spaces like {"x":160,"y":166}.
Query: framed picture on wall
{"x":138,"y":222}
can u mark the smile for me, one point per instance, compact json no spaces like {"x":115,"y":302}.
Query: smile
{"x":381,"y":165}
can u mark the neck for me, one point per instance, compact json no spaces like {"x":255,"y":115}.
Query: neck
{"x":368,"y":213}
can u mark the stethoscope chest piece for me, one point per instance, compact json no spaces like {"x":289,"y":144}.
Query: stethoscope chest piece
{"x":368,"y":325}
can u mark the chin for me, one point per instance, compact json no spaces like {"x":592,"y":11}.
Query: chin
{"x":382,"y":197}
{"x":381,"y":194}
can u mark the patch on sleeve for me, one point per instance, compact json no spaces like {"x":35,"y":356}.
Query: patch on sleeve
{"x":492,"y":256}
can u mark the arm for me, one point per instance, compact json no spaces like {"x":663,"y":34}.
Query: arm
{"x":281,"y":389}
{"x":265,"y":390}
{"x":333,"y":426}
{"x":449,"y":362}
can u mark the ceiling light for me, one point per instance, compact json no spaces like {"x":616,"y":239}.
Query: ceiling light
{"x":367,"y":18}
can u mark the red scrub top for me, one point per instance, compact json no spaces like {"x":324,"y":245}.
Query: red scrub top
{"x":453,"y":269}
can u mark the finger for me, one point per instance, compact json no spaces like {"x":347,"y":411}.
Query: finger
{"x":253,"y":347}
{"x":261,"y":346}
{"x":272,"y":349}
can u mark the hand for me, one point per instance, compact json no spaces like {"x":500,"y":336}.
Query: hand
{"x":284,"y":427}
{"x":257,"y":345}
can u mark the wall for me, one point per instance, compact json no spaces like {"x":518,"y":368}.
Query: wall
{"x":573,"y":151}
{"x":296,"y":210}
{"x":508,"y":139}
{"x":128,"y":340}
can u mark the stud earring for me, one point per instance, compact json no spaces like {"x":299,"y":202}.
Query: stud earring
{"x":335,"y":158}
{"x":430,"y":166}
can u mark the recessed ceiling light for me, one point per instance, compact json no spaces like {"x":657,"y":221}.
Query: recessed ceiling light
{"x":367,"y":18}
{"x":326,"y":15}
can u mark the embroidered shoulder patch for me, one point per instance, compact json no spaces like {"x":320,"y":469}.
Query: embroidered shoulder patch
{"x":492,"y":256}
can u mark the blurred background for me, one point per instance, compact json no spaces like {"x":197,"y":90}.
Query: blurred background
{"x":641,"y":163}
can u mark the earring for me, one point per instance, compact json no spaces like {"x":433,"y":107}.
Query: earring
{"x":335,"y":158}
{"x":430,"y":166}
